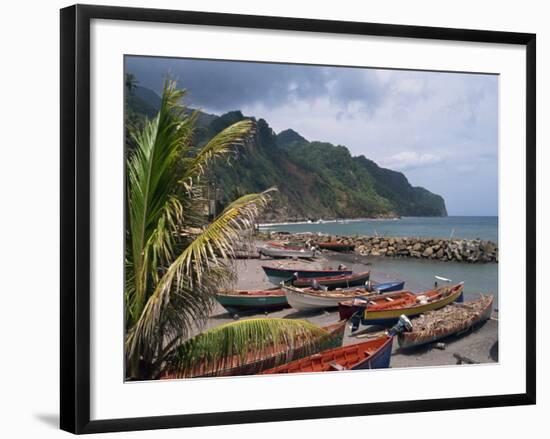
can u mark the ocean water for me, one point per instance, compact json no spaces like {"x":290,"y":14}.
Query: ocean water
{"x":417,"y":273}
{"x":468,"y":227}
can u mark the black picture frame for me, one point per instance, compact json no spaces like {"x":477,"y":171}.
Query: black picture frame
{"x":75,"y":217}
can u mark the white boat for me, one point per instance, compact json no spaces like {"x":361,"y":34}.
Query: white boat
{"x":308,"y":299}
{"x":274,"y":252}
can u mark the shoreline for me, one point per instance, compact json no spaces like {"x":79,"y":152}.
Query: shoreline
{"x":479,"y":345}
{"x":443,"y":249}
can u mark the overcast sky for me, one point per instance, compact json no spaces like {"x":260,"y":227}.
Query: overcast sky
{"x":439,"y":129}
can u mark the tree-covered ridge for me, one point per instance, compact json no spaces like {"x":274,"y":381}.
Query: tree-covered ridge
{"x":315,"y":179}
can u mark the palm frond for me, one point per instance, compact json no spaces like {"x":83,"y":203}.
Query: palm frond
{"x":153,"y":210}
{"x":195,"y":275}
{"x":224,"y":142}
{"x":256,"y":343}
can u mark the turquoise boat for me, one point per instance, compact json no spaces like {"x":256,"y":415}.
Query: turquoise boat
{"x":243,"y":300}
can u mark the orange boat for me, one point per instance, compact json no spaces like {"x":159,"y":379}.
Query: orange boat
{"x":386,"y":308}
{"x":372,"y":354}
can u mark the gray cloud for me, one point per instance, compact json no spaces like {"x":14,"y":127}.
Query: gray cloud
{"x":440,"y":128}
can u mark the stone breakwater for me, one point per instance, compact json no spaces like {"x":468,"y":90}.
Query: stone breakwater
{"x":460,"y":250}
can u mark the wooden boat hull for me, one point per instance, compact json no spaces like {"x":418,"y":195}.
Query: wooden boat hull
{"x":278,"y":275}
{"x":390,"y":316}
{"x":471,"y":314}
{"x":307,"y":300}
{"x":272,"y":300}
{"x":336,"y":246}
{"x":276,"y":252}
{"x":372,"y":354}
{"x":347,"y":308}
{"x":388,"y":287}
{"x":341,"y":281}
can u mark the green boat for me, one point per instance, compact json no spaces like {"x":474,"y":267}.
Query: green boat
{"x":242,"y":300}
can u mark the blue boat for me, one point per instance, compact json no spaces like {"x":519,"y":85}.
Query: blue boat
{"x":387,"y":287}
{"x":278,"y":275}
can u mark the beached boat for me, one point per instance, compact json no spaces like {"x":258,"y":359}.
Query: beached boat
{"x":240,"y":300}
{"x":336,"y":246}
{"x":372,"y":354}
{"x":385,"y":287}
{"x":277,"y":275}
{"x":347,"y":308}
{"x":331,"y":282}
{"x":271,"y":357}
{"x":287,"y":245}
{"x":449,"y":320}
{"x":281,"y":252}
{"x":309,"y":299}
{"x":384,"y":310}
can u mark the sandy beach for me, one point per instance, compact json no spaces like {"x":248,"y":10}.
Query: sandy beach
{"x":478,"y":346}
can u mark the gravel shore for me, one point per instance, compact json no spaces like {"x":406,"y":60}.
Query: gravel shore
{"x":478,"y":346}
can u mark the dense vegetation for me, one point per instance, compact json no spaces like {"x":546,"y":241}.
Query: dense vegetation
{"x":315,"y":179}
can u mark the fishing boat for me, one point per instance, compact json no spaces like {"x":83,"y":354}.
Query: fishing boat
{"x":277,"y":275}
{"x":384,"y":310}
{"x":372,"y":354}
{"x":286,"y":245}
{"x":347,"y":308}
{"x":309,"y":299}
{"x":241,"y":300}
{"x":331,"y":282}
{"x":271,"y":357}
{"x":336,"y":246}
{"x":385,"y":287}
{"x":449,"y":320}
{"x":281,"y":252}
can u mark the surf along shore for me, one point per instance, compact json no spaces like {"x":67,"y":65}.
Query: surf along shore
{"x":477,"y":346}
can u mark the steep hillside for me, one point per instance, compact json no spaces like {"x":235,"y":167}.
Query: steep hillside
{"x":315,"y":179}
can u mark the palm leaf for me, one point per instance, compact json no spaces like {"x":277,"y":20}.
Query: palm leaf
{"x":184,"y":295}
{"x":255,"y":343}
{"x":220,"y":145}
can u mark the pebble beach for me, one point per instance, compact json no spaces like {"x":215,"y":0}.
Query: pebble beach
{"x":479,"y":345}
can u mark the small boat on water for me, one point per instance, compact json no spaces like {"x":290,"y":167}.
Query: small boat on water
{"x":309,"y":299}
{"x":273,"y":356}
{"x":386,"y":287}
{"x":282,"y":252}
{"x":277,"y":275}
{"x":336,"y":246}
{"x":331,"y":282}
{"x":385,"y":309}
{"x":241,"y":300}
{"x":372,"y":354}
{"x":449,"y":320}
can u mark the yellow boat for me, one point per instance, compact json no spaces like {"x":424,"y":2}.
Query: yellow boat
{"x":384,"y":310}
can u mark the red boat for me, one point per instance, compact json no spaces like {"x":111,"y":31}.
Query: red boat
{"x":372,"y":354}
{"x":339,"y":281}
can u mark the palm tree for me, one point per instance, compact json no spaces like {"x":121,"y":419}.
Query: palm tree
{"x":175,"y":262}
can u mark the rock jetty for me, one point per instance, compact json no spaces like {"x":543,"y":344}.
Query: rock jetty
{"x":460,"y":250}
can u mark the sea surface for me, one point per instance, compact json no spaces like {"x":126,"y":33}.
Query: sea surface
{"x":468,"y":227}
{"x":418,"y":273}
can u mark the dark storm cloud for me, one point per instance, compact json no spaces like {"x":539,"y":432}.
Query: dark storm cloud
{"x":422,"y":123}
{"x":222,"y":86}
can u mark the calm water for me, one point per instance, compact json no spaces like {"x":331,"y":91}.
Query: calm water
{"x":419,"y":273}
{"x":470,"y":227}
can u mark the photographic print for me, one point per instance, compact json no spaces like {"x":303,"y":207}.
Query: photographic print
{"x":293,"y":218}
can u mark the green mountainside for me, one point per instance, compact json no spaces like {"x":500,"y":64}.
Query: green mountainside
{"x":314,"y":179}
